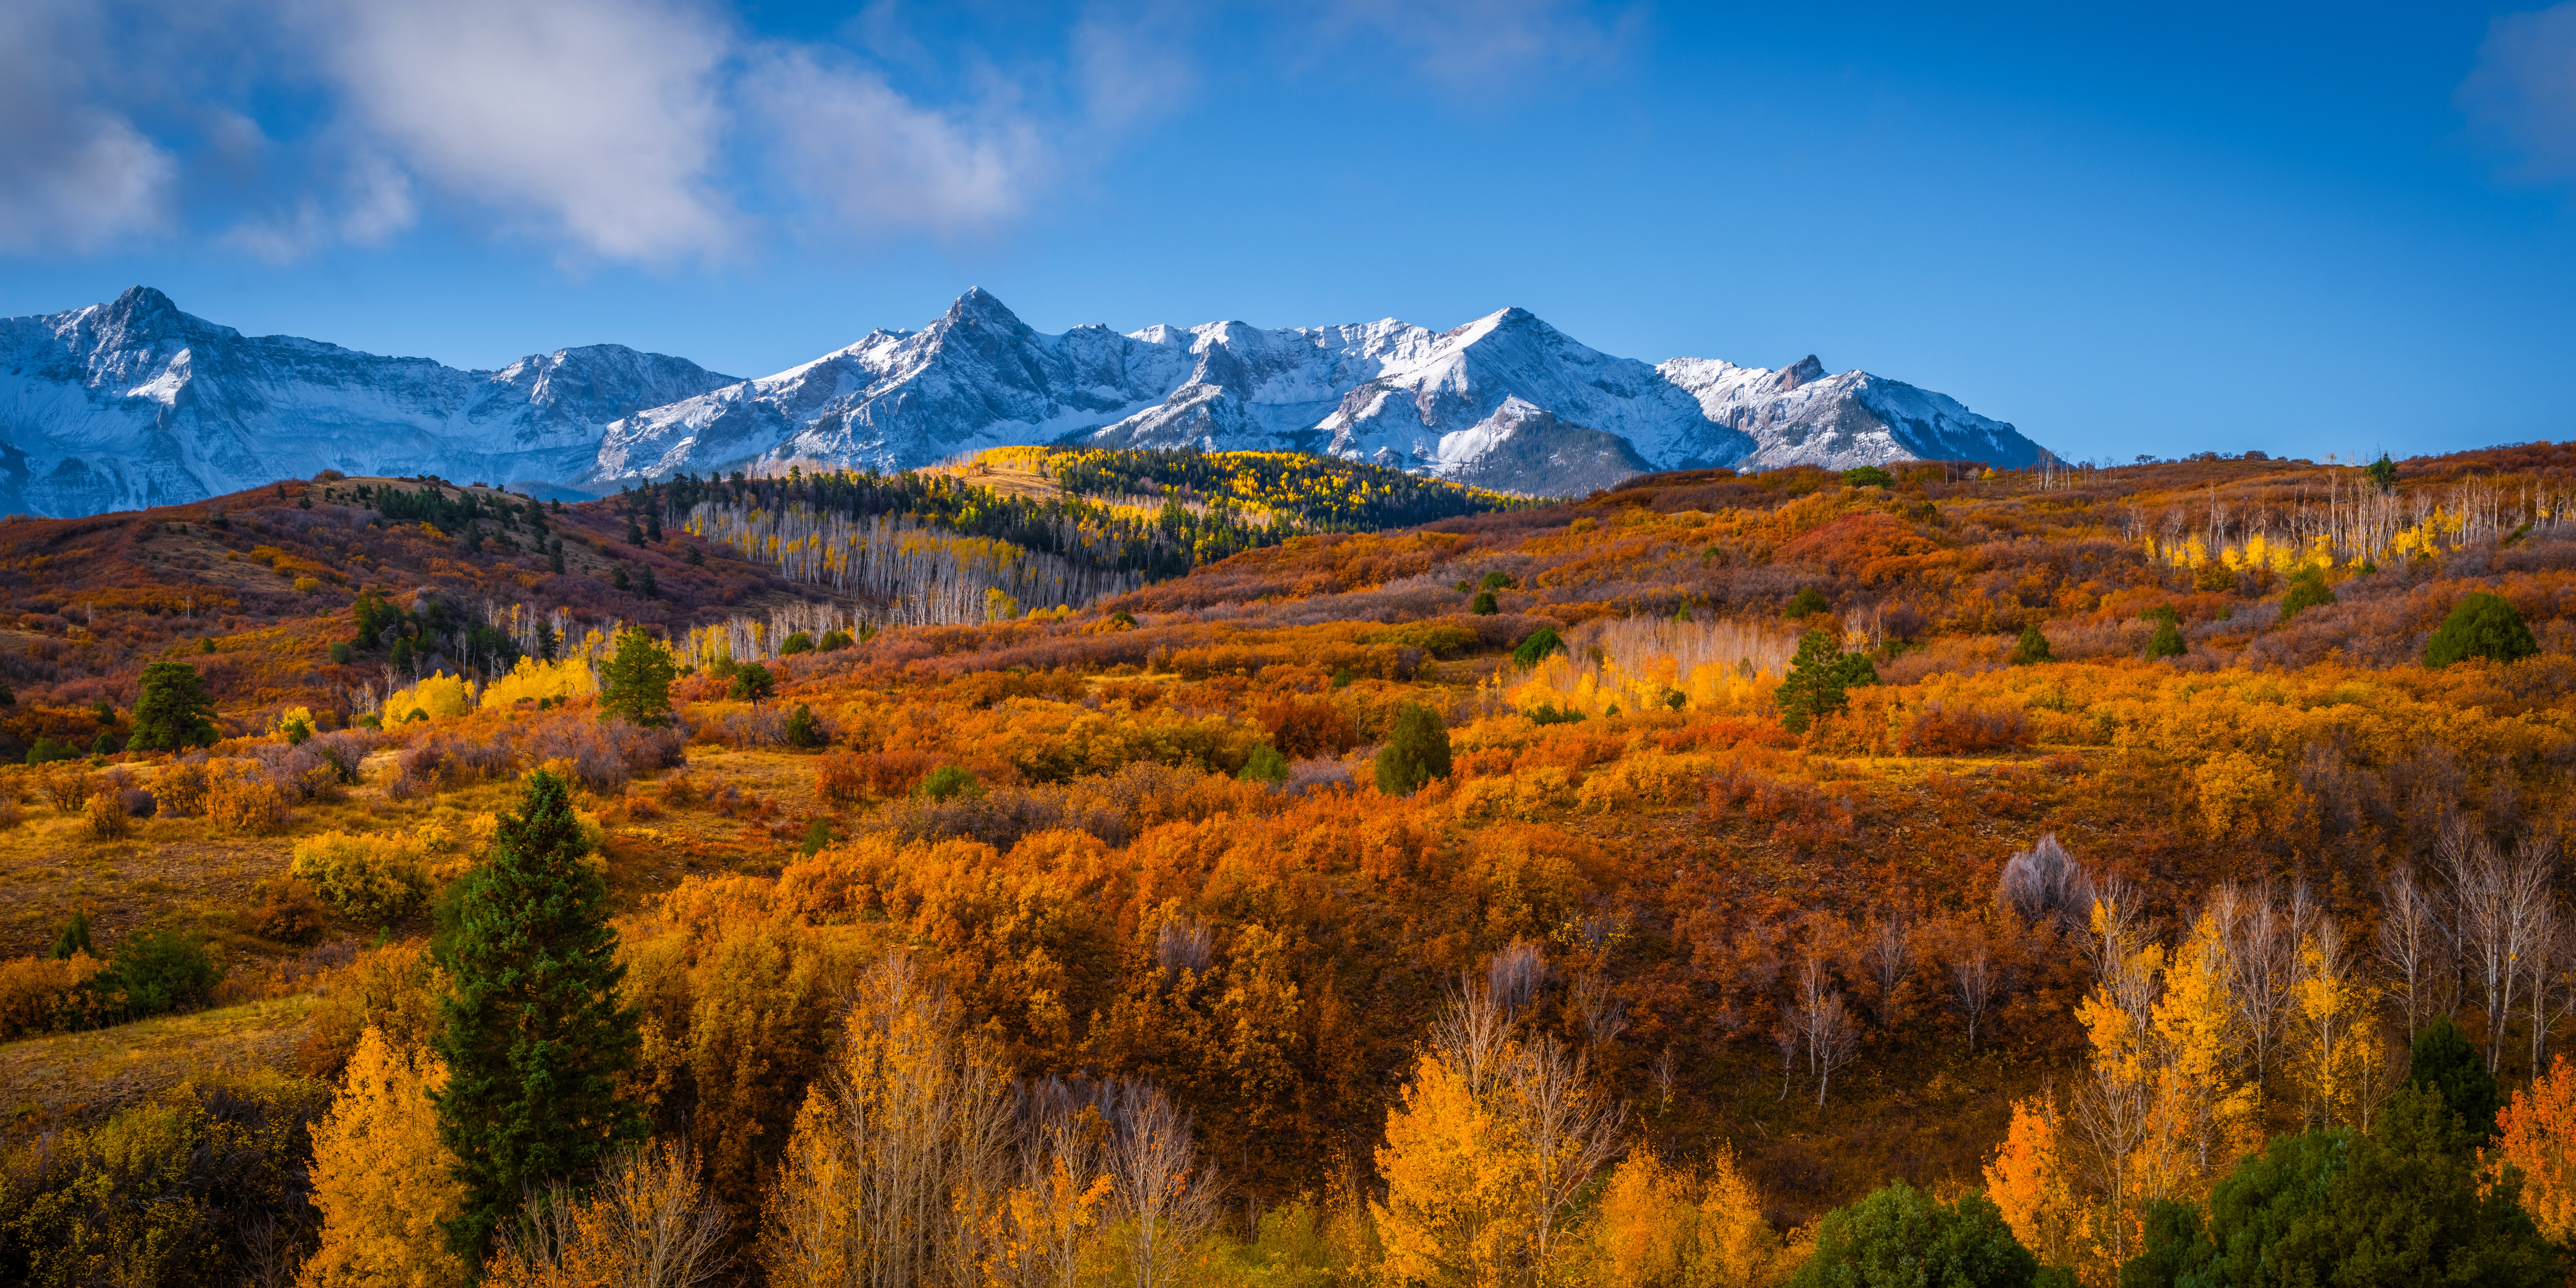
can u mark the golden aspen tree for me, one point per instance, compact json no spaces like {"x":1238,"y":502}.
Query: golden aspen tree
{"x":1485,"y":1156}
{"x":1043,"y":1232}
{"x":2033,"y":1182}
{"x":2207,"y":1113}
{"x":1666,"y":1227}
{"x":381,"y":1176}
{"x":893,"y":1172}
{"x":809,"y":1231}
{"x":2118,"y":1106}
{"x":2341,"y":1068}
{"x":1449,"y":1179}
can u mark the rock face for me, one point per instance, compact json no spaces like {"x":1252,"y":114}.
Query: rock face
{"x":1504,"y":401}
{"x":135,"y":403}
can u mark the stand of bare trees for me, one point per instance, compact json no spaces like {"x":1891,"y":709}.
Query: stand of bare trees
{"x":924,"y":574}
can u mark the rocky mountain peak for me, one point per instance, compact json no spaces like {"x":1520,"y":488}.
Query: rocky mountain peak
{"x":1801,"y":372}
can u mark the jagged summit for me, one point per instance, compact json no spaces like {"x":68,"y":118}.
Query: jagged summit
{"x":1388,"y":391}
{"x":1800,"y":372}
{"x":135,"y":402}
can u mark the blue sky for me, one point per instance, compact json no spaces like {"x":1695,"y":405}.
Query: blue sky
{"x":2304,"y":230}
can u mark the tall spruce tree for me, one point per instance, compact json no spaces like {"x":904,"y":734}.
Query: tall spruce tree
{"x":635,"y":685}
{"x":532,"y":1033}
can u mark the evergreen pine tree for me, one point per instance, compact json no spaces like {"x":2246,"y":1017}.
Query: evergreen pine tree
{"x":554,"y":556}
{"x":635,"y":685}
{"x":2032,"y":647}
{"x":1416,"y":753}
{"x":1818,"y":677}
{"x":2444,"y":1061}
{"x":533,"y":1033}
{"x":2307,"y":590}
{"x":75,"y":936}
{"x":802,"y":729}
{"x":2167,"y":641}
{"x":2480,"y":625}
{"x":175,"y":712}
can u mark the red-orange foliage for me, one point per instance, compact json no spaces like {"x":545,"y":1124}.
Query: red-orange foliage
{"x":1304,"y":727}
{"x":853,"y":777}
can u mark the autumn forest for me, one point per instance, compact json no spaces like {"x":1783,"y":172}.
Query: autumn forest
{"x":1093,"y":869}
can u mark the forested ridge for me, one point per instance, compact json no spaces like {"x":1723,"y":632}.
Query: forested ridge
{"x":2123,"y":877}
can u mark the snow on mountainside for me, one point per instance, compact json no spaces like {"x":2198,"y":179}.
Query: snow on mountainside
{"x":134,"y":403}
{"x":1504,"y":401}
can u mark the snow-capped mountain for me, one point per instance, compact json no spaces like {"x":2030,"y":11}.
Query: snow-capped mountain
{"x":135,"y":403}
{"x":1505,"y":401}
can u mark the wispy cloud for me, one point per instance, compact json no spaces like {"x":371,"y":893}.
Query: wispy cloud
{"x":1486,"y":49}
{"x":74,"y":173}
{"x":598,"y":119}
{"x":872,"y":160}
{"x":640,"y":131}
{"x":2522,"y":93}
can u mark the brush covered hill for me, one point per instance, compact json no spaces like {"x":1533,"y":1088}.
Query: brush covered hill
{"x":1850,"y":828}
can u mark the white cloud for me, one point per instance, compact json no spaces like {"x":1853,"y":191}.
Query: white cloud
{"x":876,"y":160}
{"x":600,"y":121}
{"x":74,"y":174}
{"x":2522,"y":92}
{"x":648,"y":131}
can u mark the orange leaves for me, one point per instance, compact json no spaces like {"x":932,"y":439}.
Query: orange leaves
{"x":1875,"y":546}
{"x":1305,"y":727}
{"x":1938,"y":729}
{"x":2536,"y":1134}
{"x":2031,"y":1179}
{"x":852,"y":778}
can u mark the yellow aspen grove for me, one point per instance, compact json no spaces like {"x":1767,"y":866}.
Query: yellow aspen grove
{"x":1495,"y":1139}
{"x":809,"y":1230}
{"x":381,"y":1179}
{"x":1045,"y":1231}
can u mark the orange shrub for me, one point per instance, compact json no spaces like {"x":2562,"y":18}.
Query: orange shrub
{"x":1304,"y":729}
{"x":68,"y":788}
{"x":106,"y":817}
{"x":181,"y":789}
{"x":1941,"y":730}
{"x":241,"y":799}
{"x":849,"y":778}
{"x":40,"y":994}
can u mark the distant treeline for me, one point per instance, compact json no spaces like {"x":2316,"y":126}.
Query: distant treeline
{"x":1213,"y":505}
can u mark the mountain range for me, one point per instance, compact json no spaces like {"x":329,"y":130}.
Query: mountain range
{"x":134,"y":403}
